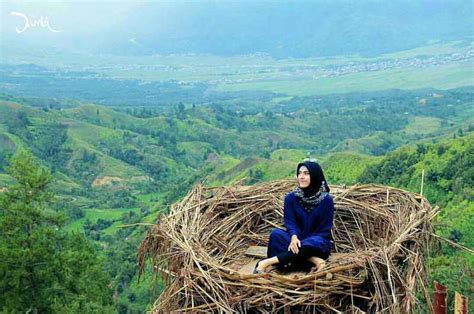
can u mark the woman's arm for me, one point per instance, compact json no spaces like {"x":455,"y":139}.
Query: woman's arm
{"x":289,"y":217}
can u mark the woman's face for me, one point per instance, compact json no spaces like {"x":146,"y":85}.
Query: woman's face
{"x":303,"y":177}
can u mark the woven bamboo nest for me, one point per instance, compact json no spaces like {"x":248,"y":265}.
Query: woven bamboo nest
{"x":377,"y":263}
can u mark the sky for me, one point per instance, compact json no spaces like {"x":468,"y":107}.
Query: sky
{"x":77,"y":21}
{"x":281,"y":28}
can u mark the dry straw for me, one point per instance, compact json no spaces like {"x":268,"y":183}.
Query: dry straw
{"x":377,"y":262}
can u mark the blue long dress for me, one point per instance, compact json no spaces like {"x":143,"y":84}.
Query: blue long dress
{"x":313,"y":229}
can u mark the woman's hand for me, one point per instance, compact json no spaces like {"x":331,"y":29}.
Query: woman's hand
{"x":295,"y":244}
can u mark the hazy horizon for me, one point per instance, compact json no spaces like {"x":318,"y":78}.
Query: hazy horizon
{"x":281,"y":29}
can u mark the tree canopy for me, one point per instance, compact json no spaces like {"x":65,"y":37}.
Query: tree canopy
{"x":44,"y":269}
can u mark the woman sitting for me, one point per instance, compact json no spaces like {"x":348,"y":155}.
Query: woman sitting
{"x":308,"y":217}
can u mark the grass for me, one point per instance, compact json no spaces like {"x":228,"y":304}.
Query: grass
{"x":346,"y":167}
{"x":293,"y":155}
{"x":271,"y":169}
{"x":150,"y":199}
{"x":371,"y":144}
{"x":276,"y":169}
{"x":432,"y":50}
{"x":422,"y":125}
{"x":152,"y":217}
{"x":91,"y":133}
{"x":441,"y":77}
{"x":87,"y":136}
{"x":5,"y":180}
{"x":12,"y":137}
{"x":232,"y":171}
{"x":193,"y":146}
{"x":95,"y":214}
{"x":63,"y":184}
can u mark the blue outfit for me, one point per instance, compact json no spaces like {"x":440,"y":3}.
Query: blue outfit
{"x":313,"y":228}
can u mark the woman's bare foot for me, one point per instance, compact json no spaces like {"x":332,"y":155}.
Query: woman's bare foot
{"x":319,"y":263}
{"x":270,"y":268}
{"x":264,"y":266}
{"x":259,"y":267}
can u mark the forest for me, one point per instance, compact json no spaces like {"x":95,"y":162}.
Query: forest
{"x":80,"y":178}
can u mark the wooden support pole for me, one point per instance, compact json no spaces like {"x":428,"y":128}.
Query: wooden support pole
{"x":422,"y":184}
{"x":460,"y":303}
{"x":440,"y":293}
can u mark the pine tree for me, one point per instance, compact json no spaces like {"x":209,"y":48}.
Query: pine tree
{"x":43,"y":268}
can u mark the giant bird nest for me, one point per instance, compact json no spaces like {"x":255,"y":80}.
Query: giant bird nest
{"x":377,"y":263}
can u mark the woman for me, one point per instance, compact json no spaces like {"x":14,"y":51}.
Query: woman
{"x":308,"y":217}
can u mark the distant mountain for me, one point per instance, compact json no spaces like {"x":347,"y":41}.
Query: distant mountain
{"x":280,"y":28}
{"x":294,"y":29}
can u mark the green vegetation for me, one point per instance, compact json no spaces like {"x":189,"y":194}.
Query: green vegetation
{"x":44,"y":268}
{"x":114,"y":216}
{"x":448,"y":168}
{"x":442,"y":77}
{"x":156,"y":82}
{"x":292,"y":155}
{"x":346,"y":168}
{"x":423,"y":125}
{"x":114,"y":168}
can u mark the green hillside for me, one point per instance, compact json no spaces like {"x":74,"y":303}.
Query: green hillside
{"x":115,"y":168}
{"x":346,"y":168}
{"x":448,"y":167}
